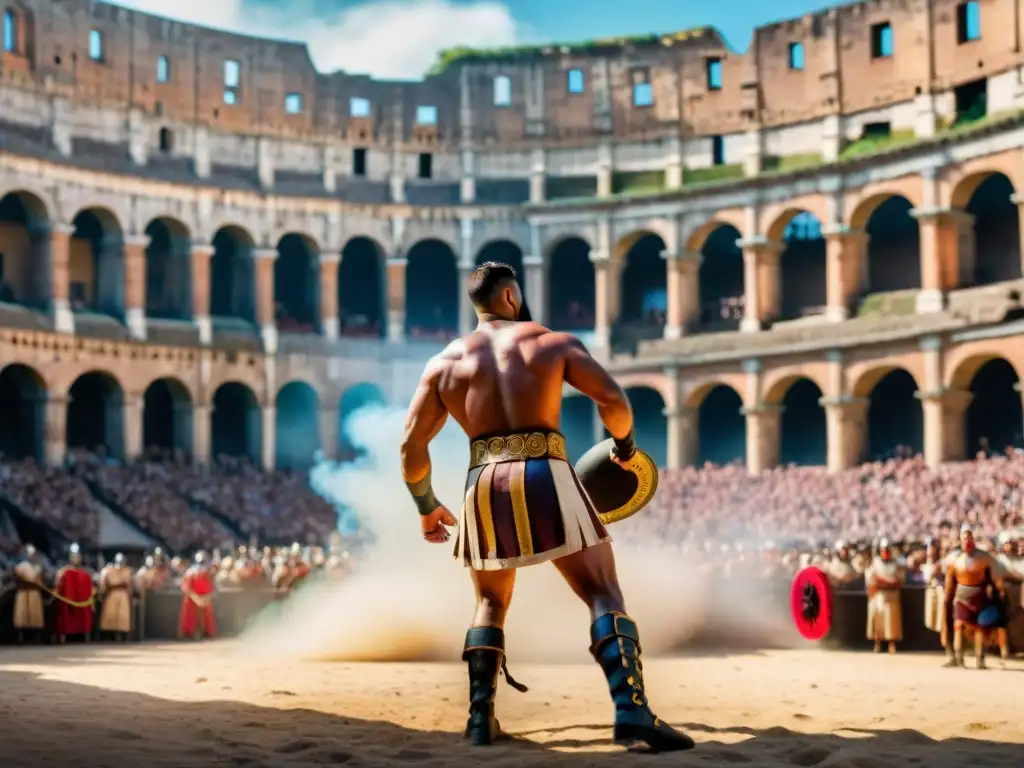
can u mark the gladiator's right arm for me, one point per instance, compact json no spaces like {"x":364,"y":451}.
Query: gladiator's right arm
{"x":585,"y":374}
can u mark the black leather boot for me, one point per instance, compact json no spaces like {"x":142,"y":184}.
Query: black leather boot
{"x":485,"y":654}
{"x":615,"y":645}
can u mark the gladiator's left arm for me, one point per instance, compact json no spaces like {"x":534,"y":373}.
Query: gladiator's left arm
{"x":427,"y":416}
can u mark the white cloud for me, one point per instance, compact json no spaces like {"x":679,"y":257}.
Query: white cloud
{"x":391,"y":39}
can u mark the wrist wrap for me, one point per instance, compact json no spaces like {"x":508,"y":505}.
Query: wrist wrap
{"x":423,"y":495}
{"x":625,"y":447}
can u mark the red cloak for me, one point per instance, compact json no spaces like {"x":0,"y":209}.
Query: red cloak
{"x":74,"y":584}
{"x":197,"y":604}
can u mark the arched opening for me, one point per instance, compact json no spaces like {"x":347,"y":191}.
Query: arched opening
{"x":649,"y":422}
{"x":167,"y":417}
{"x":298,"y":426}
{"x":353,"y":400}
{"x":578,"y":425}
{"x":166,"y":141}
{"x":23,"y":405}
{"x":24,"y":240}
{"x":571,"y":287}
{"x":802,"y":267}
{"x":236,"y":424}
{"x":894,"y":248}
{"x":803,"y":436}
{"x":96,"y":264}
{"x":361,"y":289}
{"x":721,"y":427}
{"x":994,"y":416}
{"x":168,"y":270}
{"x":505,"y":252}
{"x":644,"y":282}
{"x":431,"y":291}
{"x":721,"y":280}
{"x":95,"y":415}
{"x":895,"y":417}
{"x":233,"y":276}
{"x":297,"y":285}
{"x":996,"y":231}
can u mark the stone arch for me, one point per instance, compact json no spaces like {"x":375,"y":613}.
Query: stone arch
{"x":579,"y":425}
{"x":298,"y":425}
{"x":431,"y":290}
{"x":233,"y":275}
{"x":23,"y":403}
{"x":995,"y":230}
{"x":650,"y":423}
{"x":96,"y":263}
{"x":354,"y":399}
{"x":505,"y":252}
{"x":297,"y":284}
{"x":893,"y":253}
{"x":721,"y":279}
{"x":168,"y":270}
{"x":236,"y":423}
{"x":571,"y":286}
{"x":643,"y":284}
{"x":24,"y":236}
{"x":721,"y":426}
{"x":361,"y":289}
{"x":167,"y":416}
{"x":803,"y":437}
{"x":994,"y":420}
{"x":801,"y":263}
{"x":895,"y":419}
{"x":95,"y":414}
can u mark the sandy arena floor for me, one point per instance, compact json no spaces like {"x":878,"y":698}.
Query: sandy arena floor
{"x":209,"y":705}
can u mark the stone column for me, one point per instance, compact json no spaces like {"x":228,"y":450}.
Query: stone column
{"x":329,"y":294}
{"x":761,"y":282}
{"x":845,"y":257}
{"x":605,"y":170}
{"x":60,"y":277}
{"x":396,"y":298}
{"x":466,"y":314}
{"x":467,"y":182}
{"x":945,"y":437}
{"x":265,"y":258}
{"x":683,"y":292}
{"x":683,"y":436}
{"x":538,"y":176}
{"x":268,"y":433}
{"x":55,"y":421}
{"x":604,"y":299}
{"x":135,"y":285}
{"x":536,"y":287}
{"x":329,"y":435}
{"x":133,"y":421}
{"x":940,"y":257}
{"x":762,"y":437}
{"x":846,"y":420}
{"x":201,"y":255}
{"x":201,"y":437}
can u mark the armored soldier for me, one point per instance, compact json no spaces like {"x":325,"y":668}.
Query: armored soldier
{"x":29,"y":612}
{"x":885,"y":579}
{"x":115,"y":588}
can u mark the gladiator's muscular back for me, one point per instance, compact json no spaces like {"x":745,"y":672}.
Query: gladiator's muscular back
{"x":504,"y":377}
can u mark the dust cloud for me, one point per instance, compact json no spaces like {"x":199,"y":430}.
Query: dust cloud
{"x":411,"y":601}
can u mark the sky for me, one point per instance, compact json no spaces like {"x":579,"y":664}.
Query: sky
{"x":400,"y":39}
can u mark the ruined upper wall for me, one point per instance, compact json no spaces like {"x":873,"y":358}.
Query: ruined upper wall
{"x":821,"y":65}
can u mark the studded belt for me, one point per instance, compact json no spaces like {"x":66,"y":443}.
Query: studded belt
{"x":517,"y":446}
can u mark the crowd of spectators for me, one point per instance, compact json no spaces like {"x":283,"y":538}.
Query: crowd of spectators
{"x":189,"y":507}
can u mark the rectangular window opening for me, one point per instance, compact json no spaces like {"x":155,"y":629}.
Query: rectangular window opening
{"x":359,"y":107}
{"x":359,"y":161}
{"x":574,"y":81}
{"x":232,"y":73}
{"x":717,"y":150}
{"x":714,"y":74}
{"x":293,"y":103}
{"x":796,"y":56}
{"x":502,"y":91}
{"x":881,"y":40}
{"x":230,"y":97}
{"x":426,"y":169}
{"x":643,"y":92}
{"x":10,"y":32}
{"x":426,"y":115}
{"x":163,"y":69}
{"x":968,"y":22}
{"x":95,"y":45}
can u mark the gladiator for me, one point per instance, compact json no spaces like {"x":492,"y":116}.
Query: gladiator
{"x":973,"y":587}
{"x":523,"y":503}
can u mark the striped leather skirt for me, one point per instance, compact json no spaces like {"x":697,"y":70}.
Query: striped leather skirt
{"x":523,"y":504}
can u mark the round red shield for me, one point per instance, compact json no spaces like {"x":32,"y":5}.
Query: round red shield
{"x":810,"y":602}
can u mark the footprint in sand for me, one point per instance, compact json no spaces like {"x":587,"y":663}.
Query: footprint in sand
{"x":296,"y":746}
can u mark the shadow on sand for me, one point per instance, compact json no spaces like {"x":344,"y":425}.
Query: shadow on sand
{"x":52,"y":723}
